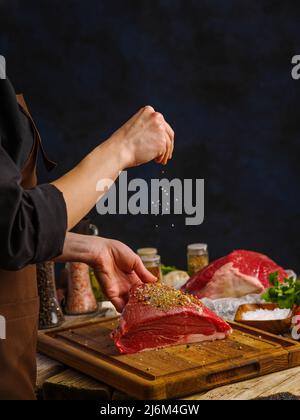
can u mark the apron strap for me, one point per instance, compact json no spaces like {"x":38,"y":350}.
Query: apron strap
{"x":49,"y":164}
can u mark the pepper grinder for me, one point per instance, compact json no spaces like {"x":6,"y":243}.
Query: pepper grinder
{"x":50,"y":315}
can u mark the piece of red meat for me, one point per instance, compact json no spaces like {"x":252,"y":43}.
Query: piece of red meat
{"x":238,"y":274}
{"x":158,"y":316}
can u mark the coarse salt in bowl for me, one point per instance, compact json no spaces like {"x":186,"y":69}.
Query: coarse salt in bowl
{"x":267,"y":315}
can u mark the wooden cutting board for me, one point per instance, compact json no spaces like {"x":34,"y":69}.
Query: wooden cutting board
{"x":172,"y":372}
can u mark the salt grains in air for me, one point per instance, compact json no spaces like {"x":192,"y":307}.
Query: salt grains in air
{"x":266,"y":315}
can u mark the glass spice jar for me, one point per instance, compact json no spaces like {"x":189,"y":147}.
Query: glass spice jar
{"x":81,"y":299}
{"x":50,"y":315}
{"x":97,"y":290}
{"x":96,"y":287}
{"x":152,"y":263}
{"x":198,"y":258}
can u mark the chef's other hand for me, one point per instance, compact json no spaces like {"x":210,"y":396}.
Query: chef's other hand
{"x":145,"y":137}
{"x":116,"y":266}
{"x":118,"y":269}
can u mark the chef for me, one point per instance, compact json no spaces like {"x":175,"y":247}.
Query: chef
{"x":36,"y":219}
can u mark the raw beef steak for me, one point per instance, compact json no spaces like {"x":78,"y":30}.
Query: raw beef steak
{"x":158,"y":316}
{"x":238,"y":274}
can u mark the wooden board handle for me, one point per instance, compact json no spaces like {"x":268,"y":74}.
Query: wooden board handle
{"x":239,"y":373}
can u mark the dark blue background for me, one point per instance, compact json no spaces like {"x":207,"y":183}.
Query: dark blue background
{"x":220,"y":71}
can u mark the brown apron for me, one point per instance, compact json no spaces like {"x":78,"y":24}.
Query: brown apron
{"x":19,"y":304}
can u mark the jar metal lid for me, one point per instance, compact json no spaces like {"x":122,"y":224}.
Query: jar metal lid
{"x":197,"y":248}
{"x":151,"y":258}
{"x":147,"y":252}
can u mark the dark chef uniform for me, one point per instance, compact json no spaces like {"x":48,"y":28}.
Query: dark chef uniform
{"x":33,"y":223}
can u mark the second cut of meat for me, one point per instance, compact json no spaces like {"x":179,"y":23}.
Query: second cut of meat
{"x":238,"y":274}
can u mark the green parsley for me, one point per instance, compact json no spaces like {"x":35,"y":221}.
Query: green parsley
{"x":286,"y":294}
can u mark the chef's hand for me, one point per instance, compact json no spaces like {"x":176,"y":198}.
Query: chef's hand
{"x":118,"y":269}
{"x":116,"y":266}
{"x":145,"y":137}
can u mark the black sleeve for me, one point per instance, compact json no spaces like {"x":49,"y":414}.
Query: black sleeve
{"x":33,"y":223}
